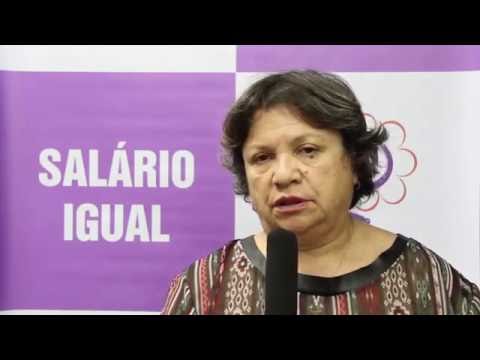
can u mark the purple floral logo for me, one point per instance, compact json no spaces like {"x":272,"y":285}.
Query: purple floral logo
{"x":396,"y":163}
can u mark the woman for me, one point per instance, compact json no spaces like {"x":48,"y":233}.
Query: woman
{"x":299,"y":147}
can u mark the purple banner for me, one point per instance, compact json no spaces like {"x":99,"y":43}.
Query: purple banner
{"x":352,"y":58}
{"x":111,"y":185}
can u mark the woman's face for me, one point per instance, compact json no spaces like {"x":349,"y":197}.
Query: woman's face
{"x":299,"y":177}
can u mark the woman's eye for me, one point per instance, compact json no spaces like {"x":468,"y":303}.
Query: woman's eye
{"x":261,"y":158}
{"x":309,"y":150}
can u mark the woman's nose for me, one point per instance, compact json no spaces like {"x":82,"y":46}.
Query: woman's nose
{"x":285,"y":171}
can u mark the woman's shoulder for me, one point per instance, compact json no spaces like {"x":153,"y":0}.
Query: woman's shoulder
{"x":208,"y":268}
{"x":463,"y":294}
{"x":219,"y":256}
{"x":192,"y":290}
{"x":422,"y":256}
{"x":420,"y":253}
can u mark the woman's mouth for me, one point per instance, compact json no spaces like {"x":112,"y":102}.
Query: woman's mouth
{"x":291,"y":204}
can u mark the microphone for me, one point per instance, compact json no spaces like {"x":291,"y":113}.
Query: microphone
{"x":281,"y":273}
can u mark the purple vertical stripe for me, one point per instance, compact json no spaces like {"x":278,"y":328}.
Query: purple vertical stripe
{"x":352,"y":58}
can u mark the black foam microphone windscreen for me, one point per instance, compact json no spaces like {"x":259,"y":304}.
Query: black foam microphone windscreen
{"x":281,"y":273}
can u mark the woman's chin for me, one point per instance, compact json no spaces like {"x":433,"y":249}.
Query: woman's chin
{"x":295,"y":227}
{"x":299,"y":225}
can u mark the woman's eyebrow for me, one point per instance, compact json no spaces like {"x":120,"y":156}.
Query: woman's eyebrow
{"x":296,"y":139}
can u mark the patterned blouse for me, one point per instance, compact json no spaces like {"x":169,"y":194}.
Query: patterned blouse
{"x":408,"y":278}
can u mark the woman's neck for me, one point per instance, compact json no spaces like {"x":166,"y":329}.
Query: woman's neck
{"x":347,"y":247}
{"x":323,"y":253}
{"x":324,"y":240}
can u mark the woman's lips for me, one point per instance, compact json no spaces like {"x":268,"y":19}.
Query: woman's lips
{"x":292,"y":208}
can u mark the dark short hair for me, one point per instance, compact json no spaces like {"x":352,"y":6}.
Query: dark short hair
{"x":324,"y":101}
